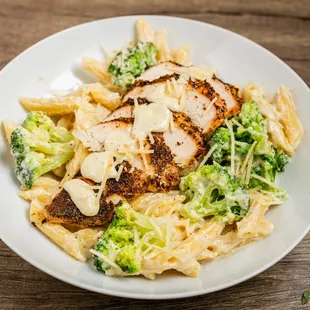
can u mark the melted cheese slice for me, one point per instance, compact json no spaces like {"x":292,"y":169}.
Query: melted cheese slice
{"x":96,"y":165}
{"x":82,"y":196}
{"x":154,"y":117}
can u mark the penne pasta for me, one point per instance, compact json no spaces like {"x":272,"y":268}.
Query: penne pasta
{"x":76,"y":244}
{"x":100,"y":71}
{"x":274,"y":127}
{"x":89,"y":114}
{"x":9,"y":127}
{"x":145,"y":32}
{"x":66,"y":121}
{"x":102,"y":95}
{"x":74,"y":165}
{"x":161,"y":46}
{"x":286,"y":112}
{"x":52,"y":106}
{"x":182,"y":55}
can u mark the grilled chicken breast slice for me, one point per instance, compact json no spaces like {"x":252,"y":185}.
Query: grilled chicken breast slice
{"x":159,"y":165}
{"x":155,"y":72}
{"x":229,"y":93}
{"x":163,"y":169}
{"x":204,"y":106}
{"x":130,"y":185}
{"x":62,"y":210}
{"x":185,"y":141}
{"x":95,"y":137}
{"x":152,"y":91}
{"x":125,"y":111}
{"x":111,"y":135}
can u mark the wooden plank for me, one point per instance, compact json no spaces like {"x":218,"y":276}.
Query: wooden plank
{"x":286,"y":37}
{"x":103,"y":8}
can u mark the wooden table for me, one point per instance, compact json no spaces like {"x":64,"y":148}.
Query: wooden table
{"x":283,"y":27}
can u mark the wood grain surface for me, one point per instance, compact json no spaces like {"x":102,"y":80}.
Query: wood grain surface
{"x":282,"y":26}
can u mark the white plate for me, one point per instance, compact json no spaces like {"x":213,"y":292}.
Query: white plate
{"x":55,"y":63}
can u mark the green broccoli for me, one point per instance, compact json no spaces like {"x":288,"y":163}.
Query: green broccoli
{"x":129,"y":234}
{"x":253,"y":129}
{"x":39,"y":147}
{"x":211,"y":191}
{"x":249,"y":127}
{"x":132,"y":62}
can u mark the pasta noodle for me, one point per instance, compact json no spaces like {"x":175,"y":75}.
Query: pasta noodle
{"x":8,"y":127}
{"x":74,"y":165}
{"x":102,"y":95}
{"x":286,"y":112}
{"x":89,"y":114}
{"x":52,"y":106}
{"x":145,"y":33}
{"x":182,"y":55}
{"x":161,"y":45}
{"x":274,"y":127}
{"x":76,"y":244}
{"x":66,"y":121}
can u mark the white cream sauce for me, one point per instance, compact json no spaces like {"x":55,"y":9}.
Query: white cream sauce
{"x":82,"y":196}
{"x":96,"y":166}
{"x":154,"y":117}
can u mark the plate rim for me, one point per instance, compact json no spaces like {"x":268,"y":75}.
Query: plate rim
{"x":219,"y":287}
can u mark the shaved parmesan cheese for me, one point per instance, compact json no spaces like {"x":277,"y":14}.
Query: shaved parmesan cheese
{"x":248,"y":172}
{"x":119,"y":172}
{"x":104,"y":258}
{"x":145,"y":163}
{"x":151,"y":138}
{"x":255,"y":176}
{"x":248,"y":155}
{"x":232,"y":137}
{"x":205,"y":159}
{"x":210,"y":105}
{"x":236,"y":122}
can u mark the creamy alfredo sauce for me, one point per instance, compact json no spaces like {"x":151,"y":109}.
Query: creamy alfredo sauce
{"x":97,"y":167}
{"x":83,"y":196}
{"x":154,"y":117}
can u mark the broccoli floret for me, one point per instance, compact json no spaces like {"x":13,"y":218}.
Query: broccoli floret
{"x":221,"y":138}
{"x":128,"y":235}
{"x":211,"y":191}
{"x":39,"y":147}
{"x":267,"y":168}
{"x":130,"y":63}
{"x":253,"y":129}
{"x":281,"y":160}
{"x":42,"y":126}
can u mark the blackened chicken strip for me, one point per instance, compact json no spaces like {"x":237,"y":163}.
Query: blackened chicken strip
{"x":130,"y":185}
{"x":62,"y":210}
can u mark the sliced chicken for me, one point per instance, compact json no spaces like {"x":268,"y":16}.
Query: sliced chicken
{"x":115,"y":134}
{"x":130,"y":185}
{"x":153,"y":91}
{"x":229,"y":93}
{"x":185,"y":141}
{"x":125,"y":111}
{"x":197,"y":99}
{"x":116,"y":131}
{"x":63,"y":210}
{"x":155,"y":72}
{"x":204,"y":106}
{"x":165,"y":174}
